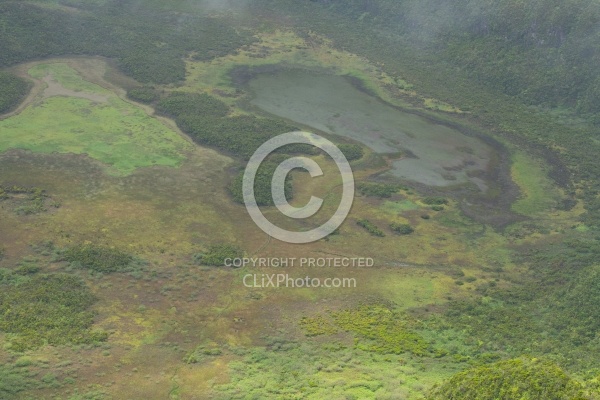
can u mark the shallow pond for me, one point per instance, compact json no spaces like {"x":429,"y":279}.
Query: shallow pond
{"x":440,"y":156}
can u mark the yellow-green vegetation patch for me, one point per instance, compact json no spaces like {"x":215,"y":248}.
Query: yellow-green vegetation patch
{"x":66,"y":77}
{"x":438,"y":105}
{"x":113,"y":132}
{"x":312,"y":51}
{"x":519,"y":378}
{"x":376,"y":329}
{"x":396,"y":207}
{"x":538,"y":192}
{"x":43,"y":309}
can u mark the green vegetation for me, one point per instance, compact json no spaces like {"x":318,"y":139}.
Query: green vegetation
{"x":26,"y":200}
{"x":262,"y":185}
{"x":370,"y":227}
{"x":206,"y":120}
{"x":520,"y":378}
{"x":402,"y":229}
{"x":51,"y":309}
{"x":557,"y":299}
{"x":548,"y":57}
{"x":102,"y":126}
{"x":12,"y":91}
{"x":376,"y":328}
{"x":538,"y":193}
{"x":351,"y":151}
{"x":240,"y":135}
{"x":217,"y":254}
{"x":436,"y":201}
{"x":381,"y":190}
{"x":141,"y":38}
{"x":202,"y":353}
{"x":98,"y":258}
{"x":179,"y":103}
{"x":143,"y":94}
{"x":14,"y":379}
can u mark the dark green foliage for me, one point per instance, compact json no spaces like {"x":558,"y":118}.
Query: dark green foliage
{"x":149,"y":44}
{"x":520,"y":378}
{"x":435,"y":201}
{"x":351,"y":151}
{"x":217,"y":254}
{"x":12,"y":91}
{"x":240,"y":135}
{"x":13,"y":380}
{"x":98,"y":258}
{"x":437,"y":208}
{"x":553,"y":309}
{"x":143,"y":94}
{"x":193,"y":104}
{"x":49,"y":309}
{"x":370,"y":227}
{"x":204,"y":118}
{"x":262,"y":184}
{"x":381,"y":190}
{"x":402,"y":229}
{"x":578,"y":304}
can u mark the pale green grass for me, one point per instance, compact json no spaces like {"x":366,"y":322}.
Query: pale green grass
{"x":396,"y":207}
{"x":115,"y":132}
{"x":67,"y":77}
{"x":538,"y":194}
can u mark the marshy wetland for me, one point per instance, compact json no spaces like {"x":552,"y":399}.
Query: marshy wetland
{"x":118,"y":200}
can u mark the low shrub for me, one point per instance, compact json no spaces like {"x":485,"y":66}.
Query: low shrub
{"x":370,"y":227}
{"x":98,"y":258}
{"x":402,"y":229}
{"x":51,"y":309}
{"x":217,"y":254}
{"x":381,"y":190}
{"x":143,"y":94}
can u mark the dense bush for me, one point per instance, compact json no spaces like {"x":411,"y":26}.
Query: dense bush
{"x":46,"y":309}
{"x":143,"y":94}
{"x":370,"y":227}
{"x":381,"y":190}
{"x":239,"y":135}
{"x":217,"y":254}
{"x":520,"y":378}
{"x":262,"y":185}
{"x":195,"y":104}
{"x":351,"y":151}
{"x":14,"y":379}
{"x":12,"y":91}
{"x":148,"y":42}
{"x":402,"y":229}
{"x":98,"y":258}
{"x":435,"y":201}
